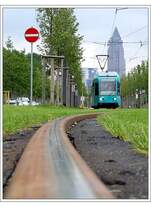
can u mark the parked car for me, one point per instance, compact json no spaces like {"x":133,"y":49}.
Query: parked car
{"x":12,"y":102}
{"x":23,"y":101}
{"x":34,"y":103}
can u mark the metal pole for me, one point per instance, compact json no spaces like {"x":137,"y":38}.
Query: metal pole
{"x":57,"y":87}
{"x":67,"y":88}
{"x":43,"y":81}
{"x":82,"y":96}
{"x":52,"y":82}
{"x":31,"y":75}
{"x":62,"y":74}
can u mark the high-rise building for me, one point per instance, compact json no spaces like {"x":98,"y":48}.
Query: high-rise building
{"x":91,"y":74}
{"x":88,"y":76}
{"x":116,"y":61}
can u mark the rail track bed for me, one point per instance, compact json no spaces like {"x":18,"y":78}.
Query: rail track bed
{"x":124,"y":171}
{"x":51,"y":167}
{"x":13,"y":147}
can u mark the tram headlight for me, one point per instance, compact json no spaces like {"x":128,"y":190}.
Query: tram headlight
{"x":101,"y":98}
{"x":114,"y":99}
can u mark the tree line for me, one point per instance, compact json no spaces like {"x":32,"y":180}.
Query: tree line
{"x":16,"y":72}
{"x":134,"y":86}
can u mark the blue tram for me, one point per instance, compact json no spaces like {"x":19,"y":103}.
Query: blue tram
{"x":106,"y":90}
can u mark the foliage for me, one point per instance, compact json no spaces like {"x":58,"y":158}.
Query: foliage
{"x":130,"y":125}
{"x":135,"y":81}
{"x":59,"y":29}
{"x":16,"y":72}
{"x":37,"y":75}
{"x":9,"y":44}
{"x":45,"y":18}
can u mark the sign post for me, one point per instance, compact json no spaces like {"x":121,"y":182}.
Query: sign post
{"x":31,"y":75}
{"x":31,"y":35}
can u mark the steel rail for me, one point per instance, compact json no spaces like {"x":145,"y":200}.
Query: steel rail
{"x":51,"y":168}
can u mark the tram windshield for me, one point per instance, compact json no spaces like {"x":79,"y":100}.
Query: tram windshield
{"x":108,"y":86}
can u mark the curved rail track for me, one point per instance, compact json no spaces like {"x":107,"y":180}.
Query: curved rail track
{"x":50,"y":167}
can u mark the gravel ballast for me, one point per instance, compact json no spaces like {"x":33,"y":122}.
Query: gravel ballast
{"x":123,"y":170}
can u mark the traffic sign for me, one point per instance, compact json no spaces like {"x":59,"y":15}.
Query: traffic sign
{"x":31,"y":34}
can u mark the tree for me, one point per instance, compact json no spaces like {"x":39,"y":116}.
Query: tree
{"x":45,"y":18}
{"x":16,"y":72}
{"x":59,"y":37}
{"x":9,"y":44}
{"x":37,"y":77}
{"x":135,"y":82}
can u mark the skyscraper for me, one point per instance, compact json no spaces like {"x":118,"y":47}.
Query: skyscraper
{"x":116,"y":61}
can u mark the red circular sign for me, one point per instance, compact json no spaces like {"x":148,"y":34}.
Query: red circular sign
{"x":31,"y":34}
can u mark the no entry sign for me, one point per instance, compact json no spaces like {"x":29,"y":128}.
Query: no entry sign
{"x":31,"y":34}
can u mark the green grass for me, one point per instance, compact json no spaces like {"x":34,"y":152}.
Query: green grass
{"x":128,"y":124}
{"x":16,"y":118}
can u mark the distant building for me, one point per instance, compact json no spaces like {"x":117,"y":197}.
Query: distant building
{"x":91,"y":72}
{"x":84,"y":74}
{"x":116,"y":61}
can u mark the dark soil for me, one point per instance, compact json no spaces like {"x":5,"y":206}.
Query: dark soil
{"x":13,"y":147}
{"x":123,"y":170}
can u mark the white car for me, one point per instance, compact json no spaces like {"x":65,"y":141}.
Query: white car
{"x":12,"y":102}
{"x":23,"y":101}
{"x":34,"y":103}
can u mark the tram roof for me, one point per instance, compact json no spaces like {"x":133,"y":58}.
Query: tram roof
{"x":108,"y":74}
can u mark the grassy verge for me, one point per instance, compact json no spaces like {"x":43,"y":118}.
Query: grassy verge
{"x":128,"y":124}
{"x":16,"y":118}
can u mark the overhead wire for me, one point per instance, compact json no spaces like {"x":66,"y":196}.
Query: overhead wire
{"x":136,"y":52}
{"x":134,"y":58}
{"x":113,"y":24}
{"x":105,"y":43}
{"x":126,"y":42}
{"x":141,"y":43}
{"x":131,"y":33}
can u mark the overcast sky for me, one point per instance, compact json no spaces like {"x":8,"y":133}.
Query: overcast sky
{"x":95,"y":24}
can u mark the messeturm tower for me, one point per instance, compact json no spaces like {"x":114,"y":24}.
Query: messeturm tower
{"x":116,"y":61}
